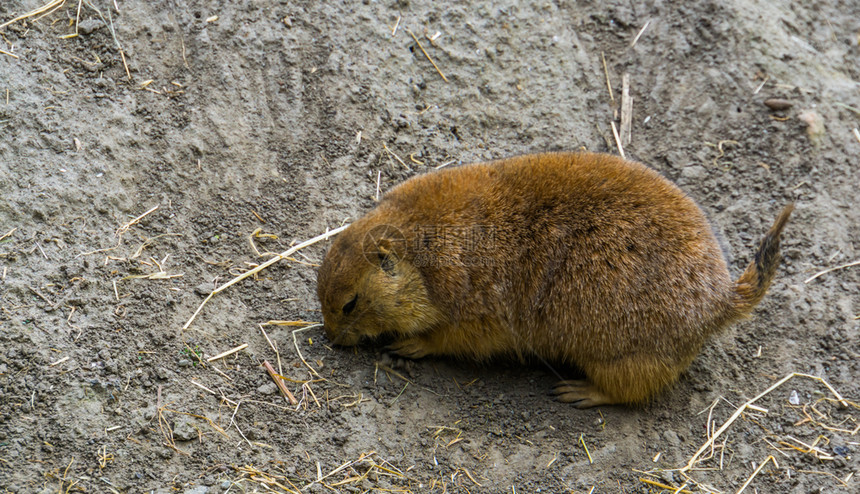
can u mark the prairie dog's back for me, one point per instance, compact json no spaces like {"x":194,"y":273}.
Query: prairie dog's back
{"x":575,"y":240}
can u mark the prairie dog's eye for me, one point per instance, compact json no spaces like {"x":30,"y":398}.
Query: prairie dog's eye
{"x":349,"y":306}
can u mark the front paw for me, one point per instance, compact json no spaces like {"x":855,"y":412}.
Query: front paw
{"x":413,"y":348}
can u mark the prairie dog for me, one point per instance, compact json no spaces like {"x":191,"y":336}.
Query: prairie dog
{"x":574,"y":258}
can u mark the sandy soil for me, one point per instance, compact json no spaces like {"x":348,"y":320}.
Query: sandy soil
{"x":278,"y":117}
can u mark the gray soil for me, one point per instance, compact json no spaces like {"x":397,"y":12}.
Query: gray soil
{"x":279,"y":116}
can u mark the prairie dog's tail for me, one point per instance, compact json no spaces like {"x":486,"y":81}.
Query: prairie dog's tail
{"x":753,"y":283}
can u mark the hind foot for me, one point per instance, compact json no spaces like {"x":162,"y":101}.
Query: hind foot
{"x":582,"y":394}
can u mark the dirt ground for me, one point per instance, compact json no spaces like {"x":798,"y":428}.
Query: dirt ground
{"x":138,"y":159}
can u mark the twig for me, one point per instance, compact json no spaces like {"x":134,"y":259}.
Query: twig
{"x":385,"y":146}
{"x":816,"y":275}
{"x":427,"y":55}
{"x":124,"y":228}
{"x":42,"y":296}
{"x":204,"y":388}
{"x":587,"y":453}
{"x":746,"y":405}
{"x":761,"y":85}
{"x":44,"y":8}
{"x":280,"y":383}
{"x":606,"y":72}
{"x":633,"y":43}
{"x":228,"y":352}
{"x":109,"y":22}
{"x":263,"y":266}
{"x":664,"y":486}
{"x":617,"y":140}
{"x":233,"y":422}
{"x":757,"y":470}
{"x":296,"y":344}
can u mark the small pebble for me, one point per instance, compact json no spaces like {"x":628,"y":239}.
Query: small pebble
{"x":778,"y":104}
{"x":89,"y":26}
{"x":794,"y":399}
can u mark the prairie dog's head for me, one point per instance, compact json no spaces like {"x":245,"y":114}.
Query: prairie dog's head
{"x":367,"y":287}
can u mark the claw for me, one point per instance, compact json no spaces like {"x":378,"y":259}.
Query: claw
{"x":393,"y":362}
{"x":579,"y":393}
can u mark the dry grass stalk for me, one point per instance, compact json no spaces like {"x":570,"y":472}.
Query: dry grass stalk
{"x":158,"y":275}
{"x":709,"y":443}
{"x":124,"y":228}
{"x":104,"y":457}
{"x":299,"y":352}
{"x":46,"y":9}
{"x":820,"y":273}
{"x":443,"y":165}
{"x":843,"y":482}
{"x":256,"y":475}
{"x":228,"y":352}
{"x":236,"y":424}
{"x":617,"y":140}
{"x":164,"y":427}
{"x":204,"y":418}
{"x":757,"y":470}
{"x":389,"y":370}
{"x":719,"y":147}
{"x":297,"y":323}
{"x":392,"y":153}
{"x":761,"y":85}
{"x":274,"y":348}
{"x":606,"y":73}
{"x":149,"y":241}
{"x":427,"y":55}
{"x":639,"y":34}
{"x":65,"y":477}
{"x":109,"y":22}
{"x":833,"y":428}
{"x":204,"y":388}
{"x":263,"y":266}
{"x":587,"y":453}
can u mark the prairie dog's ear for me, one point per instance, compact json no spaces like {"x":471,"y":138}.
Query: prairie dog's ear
{"x":386,"y":255}
{"x":384,"y":245}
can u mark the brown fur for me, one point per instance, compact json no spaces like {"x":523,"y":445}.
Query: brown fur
{"x":578,"y":258}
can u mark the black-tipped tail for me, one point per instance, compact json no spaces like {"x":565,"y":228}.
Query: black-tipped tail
{"x":754,"y":282}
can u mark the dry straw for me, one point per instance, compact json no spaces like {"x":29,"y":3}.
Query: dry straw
{"x":282,"y":255}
